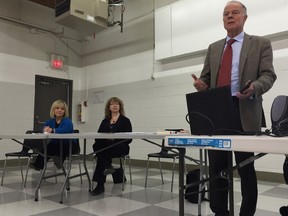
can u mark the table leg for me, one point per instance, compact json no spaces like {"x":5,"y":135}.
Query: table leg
{"x":85,"y":166}
{"x":201,"y":185}
{"x":67,"y":174}
{"x":45,"y":143}
{"x":181,"y":181}
{"x":230,"y":185}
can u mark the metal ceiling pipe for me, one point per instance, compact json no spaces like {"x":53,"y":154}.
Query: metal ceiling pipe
{"x":28,"y":25}
{"x":42,"y":29}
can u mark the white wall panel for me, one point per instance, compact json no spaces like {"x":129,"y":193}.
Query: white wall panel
{"x":197,"y":23}
{"x":163,"y":38}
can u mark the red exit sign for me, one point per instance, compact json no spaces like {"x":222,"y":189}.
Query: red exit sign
{"x":57,"y":62}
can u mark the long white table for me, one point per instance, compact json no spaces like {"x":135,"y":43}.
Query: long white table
{"x":263,"y":144}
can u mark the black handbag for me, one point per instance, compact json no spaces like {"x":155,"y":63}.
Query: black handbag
{"x":191,"y":193}
{"x":118,"y":176}
{"x":285,"y":170}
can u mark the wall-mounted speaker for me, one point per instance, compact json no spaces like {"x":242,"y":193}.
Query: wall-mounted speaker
{"x":279,"y":116}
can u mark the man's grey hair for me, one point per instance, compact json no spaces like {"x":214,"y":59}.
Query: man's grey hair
{"x":242,"y":5}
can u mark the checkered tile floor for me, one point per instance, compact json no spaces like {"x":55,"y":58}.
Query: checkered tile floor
{"x":135,"y":200}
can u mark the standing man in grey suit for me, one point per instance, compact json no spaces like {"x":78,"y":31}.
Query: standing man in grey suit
{"x":252,"y":61}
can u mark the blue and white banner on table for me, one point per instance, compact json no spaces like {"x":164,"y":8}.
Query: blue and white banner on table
{"x":188,"y":141}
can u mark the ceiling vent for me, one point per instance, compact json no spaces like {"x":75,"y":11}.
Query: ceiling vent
{"x":87,"y":16}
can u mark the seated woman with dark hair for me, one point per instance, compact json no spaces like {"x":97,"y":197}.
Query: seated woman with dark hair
{"x":114,"y":122}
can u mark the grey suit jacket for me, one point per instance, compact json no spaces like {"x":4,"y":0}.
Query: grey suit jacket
{"x":256,"y":63}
